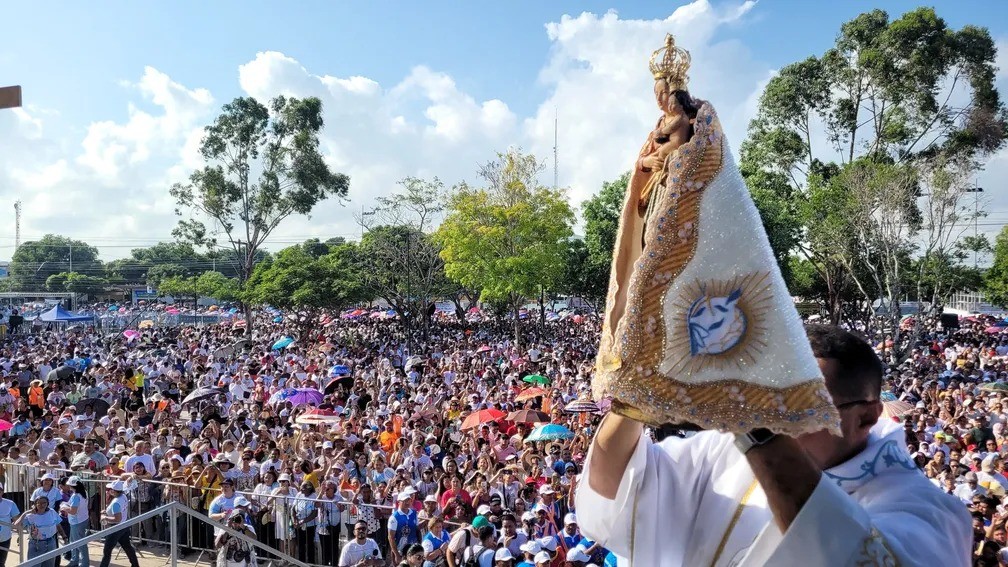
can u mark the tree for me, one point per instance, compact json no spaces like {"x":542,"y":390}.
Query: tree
{"x":280,"y":144}
{"x":910,"y":93}
{"x":218,"y":286}
{"x":157,"y":274}
{"x":34,"y":261}
{"x":293,"y":278}
{"x":84,"y":284}
{"x":507,"y":239}
{"x":401,"y":262}
{"x":584,"y":276}
{"x":601,"y":214}
{"x":996,"y":278}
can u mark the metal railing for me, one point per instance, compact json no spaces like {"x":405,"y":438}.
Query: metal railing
{"x":194,"y":529}
{"x":172,"y":509}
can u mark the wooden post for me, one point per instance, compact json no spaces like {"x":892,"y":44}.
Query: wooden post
{"x":10,"y":97}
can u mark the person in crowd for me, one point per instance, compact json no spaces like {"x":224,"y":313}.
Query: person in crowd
{"x":42,"y":524}
{"x":9,"y":512}
{"x":234,"y":551}
{"x":116,"y":513}
{"x":361,"y":551}
{"x":75,"y":509}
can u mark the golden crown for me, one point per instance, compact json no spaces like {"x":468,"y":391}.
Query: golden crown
{"x":671,"y":64}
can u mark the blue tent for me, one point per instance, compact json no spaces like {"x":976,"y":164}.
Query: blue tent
{"x":59,"y":314}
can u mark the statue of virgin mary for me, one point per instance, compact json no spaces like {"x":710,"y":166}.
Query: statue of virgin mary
{"x":699,"y":327}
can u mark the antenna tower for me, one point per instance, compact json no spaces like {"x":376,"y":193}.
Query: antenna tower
{"x":17,"y":224}
{"x":556,"y":121}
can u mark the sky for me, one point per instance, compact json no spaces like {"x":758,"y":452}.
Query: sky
{"x":116,"y":94}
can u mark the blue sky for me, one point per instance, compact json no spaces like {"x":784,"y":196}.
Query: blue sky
{"x":89,"y":70}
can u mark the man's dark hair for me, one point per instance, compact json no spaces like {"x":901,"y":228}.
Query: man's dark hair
{"x":859,"y":370}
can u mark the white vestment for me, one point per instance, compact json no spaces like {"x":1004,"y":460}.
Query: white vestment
{"x":677,"y":499}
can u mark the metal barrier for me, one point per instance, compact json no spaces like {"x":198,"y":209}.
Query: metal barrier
{"x":172,"y":509}
{"x":193,"y":530}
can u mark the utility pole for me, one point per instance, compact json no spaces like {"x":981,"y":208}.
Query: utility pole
{"x":556,"y":123}
{"x":17,"y":224}
{"x":71,"y":257}
{"x":976,"y":190}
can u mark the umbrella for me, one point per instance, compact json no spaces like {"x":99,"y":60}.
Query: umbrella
{"x":200,"y":394}
{"x":528,"y":416}
{"x":284,"y":342}
{"x":145,"y":324}
{"x":278,"y":319}
{"x":530,"y":393}
{"x":131,"y":335}
{"x":583,"y":405}
{"x":297,"y":396}
{"x":478,"y":418}
{"x":97,"y":406}
{"x":319,"y":417}
{"x":537,"y":379}
{"x":61,"y":373}
{"x":482,"y":349}
{"x":550,"y":432}
{"x":413,"y":361}
{"x":994,"y":387}
{"x":336,"y":381}
{"x":5,"y":425}
{"x":339,"y":370}
{"x":993,"y":330}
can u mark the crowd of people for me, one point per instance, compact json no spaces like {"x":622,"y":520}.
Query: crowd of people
{"x":344,"y":448}
{"x":379,"y":467}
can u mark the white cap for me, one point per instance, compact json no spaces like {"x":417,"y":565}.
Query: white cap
{"x":503,"y":555}
{"x":73,"y":481}
{"x":576,"y":554}
{"x":404,"y":496}
{"x":531,"y":546}
{"x":542,"y":557}
{"x":48,"y":476}
{"x":483,"y":510}
{"x":548,"y":543}
{"x":118,"y":486}
{"x":528,"y":516}
{"x":570,"y":519}
{"x":430,"y":498}
{"x":546,"y":489}
{"x":284,"y":477}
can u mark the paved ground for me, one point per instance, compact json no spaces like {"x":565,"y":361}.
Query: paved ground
{"x":148,"y":556}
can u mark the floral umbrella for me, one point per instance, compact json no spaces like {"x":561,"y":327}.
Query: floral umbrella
{"x":297,"y":396}
{"x":583,"y":405}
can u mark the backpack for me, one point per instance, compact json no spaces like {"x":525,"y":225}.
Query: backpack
{"x":472,"y":555}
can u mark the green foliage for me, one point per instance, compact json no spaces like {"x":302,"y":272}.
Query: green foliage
{"x":601,"y":214}
{"x":584,"y":276}
{"x":509,"y":238}
{"x":996,"y":278}
{"x":218,"y":286}
{"x":403,"y":266}
{"x":36,"y":260}
{"x":75,"y":282}
{"x":295,"y":278}
{"x":883,"y":92}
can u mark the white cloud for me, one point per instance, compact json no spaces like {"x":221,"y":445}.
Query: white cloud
{"x":118,"y":173}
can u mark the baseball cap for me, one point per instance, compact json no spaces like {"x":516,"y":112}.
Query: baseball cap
{"x":480,"y":521}
{"x":503,"y":555}
{"x":575,"y":554}
{"x":528,"y":516}
{"x":570,"y":519}
{"x":546,"y":489}
{"x":542,"y":557}
{"x":483,"y":510}
{"x":548,"y":543}
{"x":531,"y":546}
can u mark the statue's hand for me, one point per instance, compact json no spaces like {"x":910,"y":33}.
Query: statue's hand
{"x":652,"y":163}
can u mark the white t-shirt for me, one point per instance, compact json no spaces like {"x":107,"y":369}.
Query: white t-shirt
{"x":354,"y":552}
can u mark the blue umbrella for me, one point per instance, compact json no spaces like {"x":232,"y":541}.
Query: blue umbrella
{"x":284,"y":342}
{"x":339,"y":370}
{"x":550,"y":432}
{"x":278,"y":319}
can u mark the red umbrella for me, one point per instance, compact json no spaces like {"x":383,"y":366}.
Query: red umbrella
{"x":478,"y":418}
{"x":530,"y":393}
{"x":319,"y":417}
{"x":5,"y":425}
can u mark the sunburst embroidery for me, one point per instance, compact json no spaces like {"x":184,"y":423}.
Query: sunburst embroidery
{"x":719,"y":324}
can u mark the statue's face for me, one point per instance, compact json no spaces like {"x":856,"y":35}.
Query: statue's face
{"x":662,"y":95}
